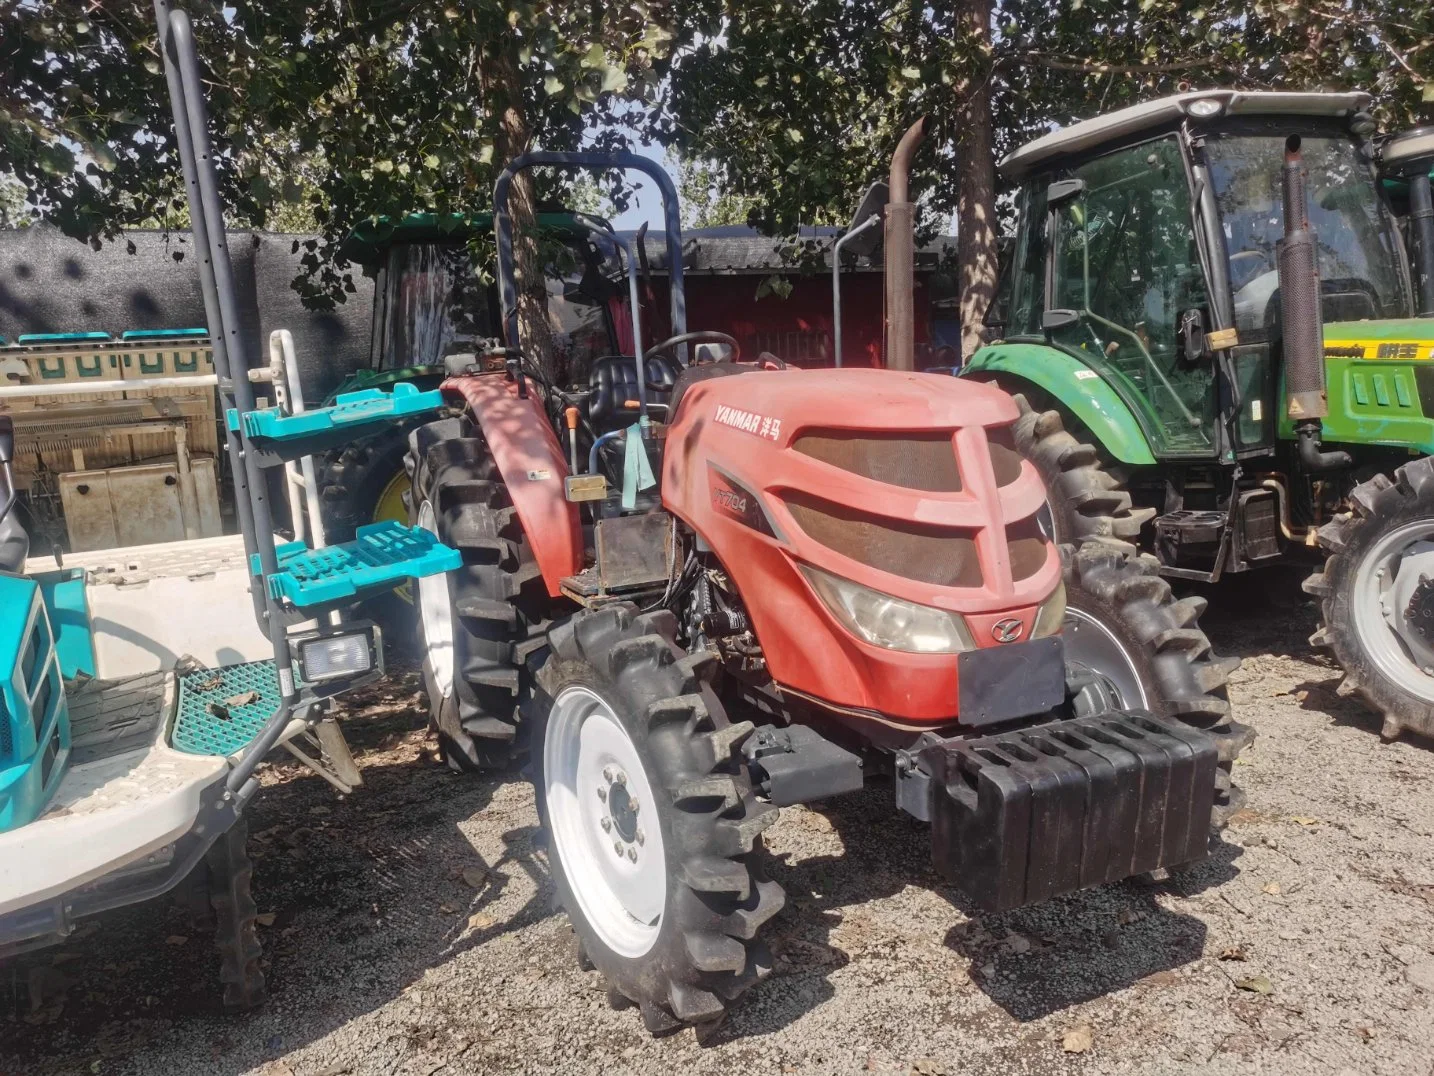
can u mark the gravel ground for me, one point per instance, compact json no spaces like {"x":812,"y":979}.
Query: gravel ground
{"x":410,"y":930}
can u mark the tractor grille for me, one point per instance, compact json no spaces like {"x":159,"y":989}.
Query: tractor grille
{"x":924,"y":461}
{"x":1005,"y":457}
{"x":937,"y":555}
{"x":1027,"y":548}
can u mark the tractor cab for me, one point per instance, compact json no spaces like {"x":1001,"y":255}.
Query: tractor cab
{"x":1147,"y":252}
{"x":1406,"y":161}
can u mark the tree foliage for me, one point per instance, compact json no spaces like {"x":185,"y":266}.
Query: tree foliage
{"x":799,"y":103}
{"x":325,"y":111}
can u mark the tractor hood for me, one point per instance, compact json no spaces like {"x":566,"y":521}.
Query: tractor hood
{"x":1393,"y":338}
{"x":906,"y":484}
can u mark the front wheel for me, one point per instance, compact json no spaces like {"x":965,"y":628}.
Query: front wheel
{"x":1130,"y":645}
{"x":654,"y":830}
{"x":1377,"y":596}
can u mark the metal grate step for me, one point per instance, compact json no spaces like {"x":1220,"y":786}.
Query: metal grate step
{"x":278,"y":437}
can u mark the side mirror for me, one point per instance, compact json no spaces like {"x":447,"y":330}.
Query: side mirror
{"x":873,"y":204}
{"x":1063,"y":190}
{"x":1051,"y":320}
{"x":1193,"y":345}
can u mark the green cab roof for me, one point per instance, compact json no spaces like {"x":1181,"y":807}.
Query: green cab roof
{"x":370,"y":240}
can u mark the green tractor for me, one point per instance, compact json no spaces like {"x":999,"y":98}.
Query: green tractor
{"x":1209,"y":315}
{"x":433,"y":313}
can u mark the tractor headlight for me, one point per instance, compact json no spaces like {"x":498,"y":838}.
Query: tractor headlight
{"x":1051,"y":614}
{"x":889,"y":622}
{"x":343,"y":653}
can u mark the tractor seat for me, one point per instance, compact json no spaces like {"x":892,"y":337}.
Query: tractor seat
{"x":612,"y":404}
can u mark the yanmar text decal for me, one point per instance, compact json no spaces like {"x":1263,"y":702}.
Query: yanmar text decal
{"x":748,"y":421}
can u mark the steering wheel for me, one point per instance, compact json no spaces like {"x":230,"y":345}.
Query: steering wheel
{"x":703,"y":336}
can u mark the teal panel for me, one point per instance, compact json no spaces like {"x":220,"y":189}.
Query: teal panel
{"x":60,"y":338}
{"x":380,"y":556}
{"x":161,"y":334}
{"x":69,"y":611}
{"x":352,"y":409}
{"x":209,"y":723}
{"x":34,"y":719}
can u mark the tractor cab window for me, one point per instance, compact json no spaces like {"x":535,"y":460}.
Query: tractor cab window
{"x":1124,"y":262}
{"x":437,"y":305}
{"x":1358,"y":253}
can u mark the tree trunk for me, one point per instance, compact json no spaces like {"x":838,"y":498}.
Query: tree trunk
{"x":503,"y":94}
{"x":976,"y":176}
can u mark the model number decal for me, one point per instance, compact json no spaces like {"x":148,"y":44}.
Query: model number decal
{"x":725,"y":498}
{"x":749,"y":421}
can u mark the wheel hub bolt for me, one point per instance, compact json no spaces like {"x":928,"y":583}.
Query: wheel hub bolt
{"x":632,"y":853}
{"x":602,"y":794}
{"x":620,"y":778}
{"x":641,"y":837}
{"x":617,"y":847}
{"x":607,"y":773}
{"x":606,"y":824}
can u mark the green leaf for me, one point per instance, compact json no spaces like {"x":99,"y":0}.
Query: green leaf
{"x":595,"y":56}
{"x":614,"y":80}
{"x":794,"y":135}
{"x":104,"y":156}
{"x":385,"y":166}
{"x":552,"y":85}
{"x":1428,"y":93}
{"x":912,"y":73}
{"x":485,"y":154}
{"x":431,"y":161}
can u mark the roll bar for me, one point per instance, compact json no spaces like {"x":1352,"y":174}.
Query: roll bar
{"x":593,"y":162}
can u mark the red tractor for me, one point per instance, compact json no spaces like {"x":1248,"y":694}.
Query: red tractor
{"x":694,"y":593}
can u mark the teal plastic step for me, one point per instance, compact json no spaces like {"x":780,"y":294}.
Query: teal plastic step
{"x":381,"y":556}
{"x":279,"y":437}
{"x":221,"y":710}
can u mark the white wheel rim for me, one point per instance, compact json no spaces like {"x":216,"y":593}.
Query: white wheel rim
{"x":1383,"y":586}
{"x":612,"y":855}
{"x":435,"y":615}
{"x":1091,"y":643}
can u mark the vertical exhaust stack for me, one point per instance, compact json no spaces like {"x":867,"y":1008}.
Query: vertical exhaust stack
{"x":1302,"y":320}
{"x":1421,"y":230}
{"x":900,"y":245}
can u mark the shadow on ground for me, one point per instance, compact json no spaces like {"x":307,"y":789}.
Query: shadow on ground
{"x":366,"y":891}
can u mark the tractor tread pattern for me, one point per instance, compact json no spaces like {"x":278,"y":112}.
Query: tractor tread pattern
{"x":351,"y":479}
{"x":709,"y":955}
{"x":1378,"y":504}
{"x":1188,"y":681}
{"x":496,"y":610}
{"x":235,"y":913}
{"x":1087,"y":500}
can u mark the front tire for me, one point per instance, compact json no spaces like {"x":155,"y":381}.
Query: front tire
{"x":654,"y":830}
{"x":1377,"y":598}
{"x":1139,"y":648}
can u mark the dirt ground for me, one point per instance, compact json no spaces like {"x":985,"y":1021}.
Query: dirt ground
{"x":409,"y":929}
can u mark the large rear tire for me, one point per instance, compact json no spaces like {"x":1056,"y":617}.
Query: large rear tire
{"x":472,"y":621}
{"x":1086,"y":500}
{"x":362,"y":483}
{"x":1376,"y":596}
{"x":654,"y":830}
{"x":1133,"y":646}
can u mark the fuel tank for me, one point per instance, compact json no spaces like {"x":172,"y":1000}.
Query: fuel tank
{"x":907,"y":484}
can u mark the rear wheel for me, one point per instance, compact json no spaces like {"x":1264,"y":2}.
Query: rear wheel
{"x":654,"y":829}
{"x":1377,"y":596}
{"x":472,"y":621}
{"x":1130,"y":645}
{"x":363,"y":482}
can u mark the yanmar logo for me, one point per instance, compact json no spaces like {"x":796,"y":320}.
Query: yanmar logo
{"x":749,"y":422}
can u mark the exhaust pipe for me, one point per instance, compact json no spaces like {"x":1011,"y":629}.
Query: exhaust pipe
{"x":1421,"y":231}
{"x":1302,"y":323}
{"x":900,"y":263}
